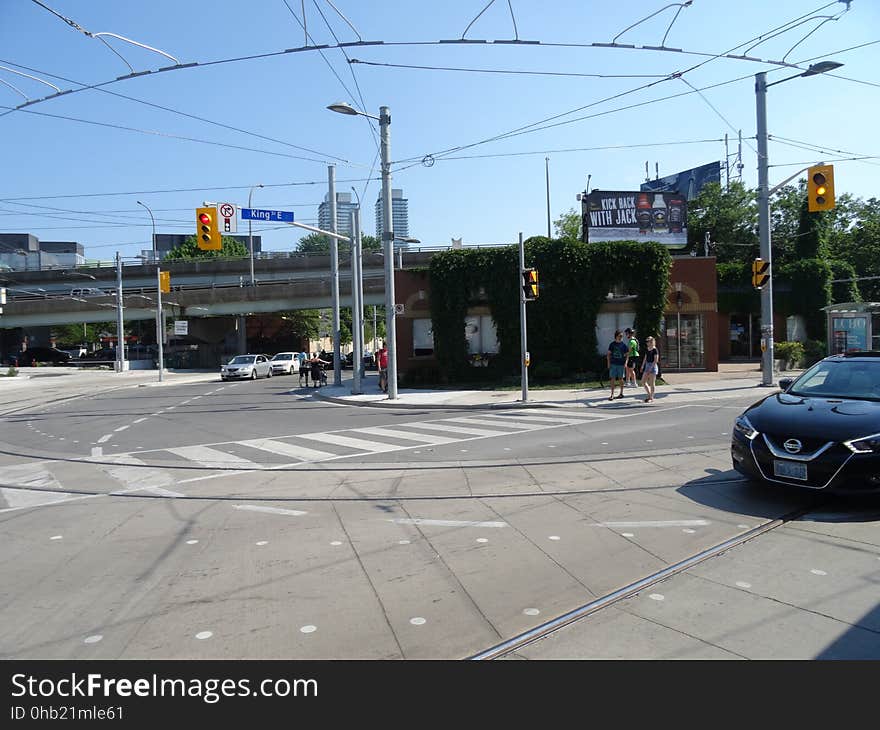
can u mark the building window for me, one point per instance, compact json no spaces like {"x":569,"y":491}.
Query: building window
{"x":423,"y":338}
{"x":481,"y":335}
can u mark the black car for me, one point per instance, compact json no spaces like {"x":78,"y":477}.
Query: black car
{"x":821,"y":432}
{"x":43,"y":354}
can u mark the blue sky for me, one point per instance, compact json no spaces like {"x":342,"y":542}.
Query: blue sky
{"x":483,"y":193}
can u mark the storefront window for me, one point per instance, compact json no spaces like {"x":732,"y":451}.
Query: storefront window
{"x":423,"y":338}
{"x":683,"y":342}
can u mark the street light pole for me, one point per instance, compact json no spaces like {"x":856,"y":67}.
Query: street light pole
{"x":250,"y":233}
{"x":334,"y":276}
{"x":388,"y":249}
{"x":761,"y":87}
{"x":160,"y":320}
{"x":120,"y":336}
{"x":764,"y":231}
{"x":356,"y":319}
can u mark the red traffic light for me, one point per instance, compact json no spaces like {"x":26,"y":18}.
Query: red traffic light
{"x":204,"y":219}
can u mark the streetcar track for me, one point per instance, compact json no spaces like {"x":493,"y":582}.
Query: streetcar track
{"x":543,"y":630}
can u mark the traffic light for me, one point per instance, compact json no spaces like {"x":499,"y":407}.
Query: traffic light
{"x":530,"y":284}
{"x":207,"y":235}
{"x":820,"y":188}
{"x":165,"y":281}
{"x":760,"y":273}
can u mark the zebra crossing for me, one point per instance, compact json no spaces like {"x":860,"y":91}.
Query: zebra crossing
{"x":157,"y":471}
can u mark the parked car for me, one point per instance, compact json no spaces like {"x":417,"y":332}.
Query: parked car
{"x":246,"y":367}
{"x":43,"y":354}
{"x":102,"y":356}
{"x":87,"y":292}
{"x":822,"y":432}
{"x":285,"y":363}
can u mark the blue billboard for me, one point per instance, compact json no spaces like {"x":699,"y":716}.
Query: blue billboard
{"x":688,"y":182}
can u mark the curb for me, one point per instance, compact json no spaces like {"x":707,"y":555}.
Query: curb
{"x":435,"y":406}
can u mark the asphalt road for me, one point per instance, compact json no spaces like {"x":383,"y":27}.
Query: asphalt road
{"x":249,"y":520}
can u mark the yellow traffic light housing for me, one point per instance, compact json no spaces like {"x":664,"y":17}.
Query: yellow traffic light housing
{"x":530,"y":284}
{"x":165,"y":282}
{"x":207,"y":234}
{"x":760,"y":273}
{"x":820,"y":188}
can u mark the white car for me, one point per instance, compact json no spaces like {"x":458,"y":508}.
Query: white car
{"x":248,"y":367}
{"x":285,"y":363}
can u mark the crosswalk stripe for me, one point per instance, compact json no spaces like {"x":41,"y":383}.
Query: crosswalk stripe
{"x":424,"y":438}
{"x":286,"y":449}
{"x":548,"y":419}
{"x":505,"y":422}
{"x":212,"y":458}
{"x":447,"y":427}
{"x":583,"y":414}
{"x":352,"y":443}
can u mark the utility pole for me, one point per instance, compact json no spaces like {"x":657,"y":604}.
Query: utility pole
{"x":764,"y":231}
{"x":547,"y":175}
{"x":356,"y":315}
{"x":388,"y":250}
{"x":523,"y":336}
{"x":160,"y":322}
{"x":120,"y":335}
{"x":334,"y":276}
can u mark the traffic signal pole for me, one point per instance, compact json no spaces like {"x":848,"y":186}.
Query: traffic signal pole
{"x":764,"y":230}
{"x":523,"y":335}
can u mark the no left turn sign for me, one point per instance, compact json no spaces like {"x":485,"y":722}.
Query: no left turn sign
{"x":227,"y":210}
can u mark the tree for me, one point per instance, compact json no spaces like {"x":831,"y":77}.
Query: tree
{"x":568,"y":226}
{"x":74,"y":335}
{"x":319,"y":243}
{"x":189,"y":249}
{"x":730,"y":216}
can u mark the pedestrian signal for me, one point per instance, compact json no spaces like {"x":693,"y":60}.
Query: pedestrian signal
{"x":760,"y":273}
{"x":820,"y":188}
{"x":207,"y":235}
{"x":530,"y":284}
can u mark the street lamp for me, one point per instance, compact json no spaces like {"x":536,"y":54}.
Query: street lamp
{"x":761,"y":87}
{"x":160,"y":317}
{"x":384,"y":120}
{"x":250,"y":232}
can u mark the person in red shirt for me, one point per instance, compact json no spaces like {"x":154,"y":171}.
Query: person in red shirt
{"x":382,"y":363}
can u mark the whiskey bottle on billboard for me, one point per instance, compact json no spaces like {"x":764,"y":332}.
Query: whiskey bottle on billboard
{"x":643,"y":213}
{"x":676,"y":214}
{"x":659,"y":214}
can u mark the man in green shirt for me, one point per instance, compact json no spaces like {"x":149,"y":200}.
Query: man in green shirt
{"x":632,"y":359}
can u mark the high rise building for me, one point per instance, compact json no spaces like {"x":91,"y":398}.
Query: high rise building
{"x":399,"y":214}
{"x":344,"y":209}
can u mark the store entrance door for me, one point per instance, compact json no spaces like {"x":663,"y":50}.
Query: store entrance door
{"x":745,"y":336}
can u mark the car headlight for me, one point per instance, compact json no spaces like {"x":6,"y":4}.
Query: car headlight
{"x":742,"y":426}
{"x":864,"y":445}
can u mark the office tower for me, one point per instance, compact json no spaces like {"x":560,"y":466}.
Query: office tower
{"x":344,"y":209}
{"x":399,"y":215}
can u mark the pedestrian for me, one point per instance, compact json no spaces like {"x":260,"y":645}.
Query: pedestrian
{"x":616,"y":357}
{"x":303,"y":369}
{"x":382,"y":363}
{"x":632,"y":358}
{"x":650,"y":368}
{"x":317,"y":367}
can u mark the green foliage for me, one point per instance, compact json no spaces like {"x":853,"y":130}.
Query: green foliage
{"x":730,"y":216}
{"x":189,"y":249}
{"x":574,"y":279}
{"x":568,"y":226}
{"x":11,"y":373}
{"x":814,"y":350}
{"x":791,"y":352}
{"x":319,"y":243}
{"x":809,"y":289}
{"x":843,"y":291}
{"x":73,"y":335}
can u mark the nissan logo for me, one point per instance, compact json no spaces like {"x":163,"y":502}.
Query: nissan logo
{"x":792,"y":446}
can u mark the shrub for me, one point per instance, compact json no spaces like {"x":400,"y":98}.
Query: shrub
{"x":12,"y":372}
{"x":814,"y":350}
{"x":791,"y":352}
{"x":546,"y":371}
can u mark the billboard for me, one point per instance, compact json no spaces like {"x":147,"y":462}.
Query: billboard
{"x":635,"y":216}
{"x":688,"y":182}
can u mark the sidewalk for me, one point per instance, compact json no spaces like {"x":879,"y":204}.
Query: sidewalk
{"x":732,"y":380}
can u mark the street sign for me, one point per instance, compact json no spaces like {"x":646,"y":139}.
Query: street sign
{"x":256,"y":214}
{"x":228,"y":220}
{"x":181,"y":327}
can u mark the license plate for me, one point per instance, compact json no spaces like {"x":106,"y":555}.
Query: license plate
{"x":790,"y":469}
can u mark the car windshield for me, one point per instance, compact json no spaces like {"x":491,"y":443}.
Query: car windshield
{"x":840,"y":379}
{"x":283,"y":356}
{"x":242,"y":360}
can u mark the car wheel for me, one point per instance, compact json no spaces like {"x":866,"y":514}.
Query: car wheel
{"x":254,"y":374}
{"x":269,"y":373}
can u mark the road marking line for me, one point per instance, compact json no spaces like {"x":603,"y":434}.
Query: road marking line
{"x":494,"y":422}
{"x":653,"y":523}
{"x":212,"y":458}
{"x":550,"y":413}
{"x":445,"y":523}
{"x":121,"y":428}
{"x":286,"y":449}
{"x":458,"y":429}
{"x":52,"y":504}
{"x":353,"y":443}
{"x":140,"y":420}
{"x":407,"y":435}
{"x":546,"y":419}
{"x":104,"y":439}
{"x":270,"y":510}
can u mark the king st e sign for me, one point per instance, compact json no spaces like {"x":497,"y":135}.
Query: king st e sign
{"x":255,"y":214}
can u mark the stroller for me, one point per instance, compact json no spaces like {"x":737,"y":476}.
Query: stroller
{"x":319,"y":377}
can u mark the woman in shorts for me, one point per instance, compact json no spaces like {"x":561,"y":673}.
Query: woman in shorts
{"x":650,"y":368}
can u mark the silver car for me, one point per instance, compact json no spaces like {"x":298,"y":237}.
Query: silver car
{"x":246,"y":367}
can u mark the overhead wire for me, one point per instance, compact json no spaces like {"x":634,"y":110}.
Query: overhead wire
{"x":508,"y":71}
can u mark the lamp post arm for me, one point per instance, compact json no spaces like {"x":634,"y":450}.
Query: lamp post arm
{"x":787,"y":180}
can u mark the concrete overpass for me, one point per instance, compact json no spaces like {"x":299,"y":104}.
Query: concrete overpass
{"x":199,"y":288}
